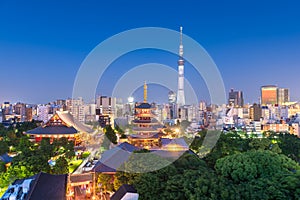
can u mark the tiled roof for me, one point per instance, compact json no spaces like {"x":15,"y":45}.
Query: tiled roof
{"x":49,"y":187}
{"x":102,"y":168}
{"x":128,"y":147}
{"x":112,"y":159}
{"x":40,"y":186}
{"x":59,"y":129}
{"x":120,"y":193}
{"x":71,"y":121}
{"x":144,"y":105}
{"x":145,"y":136}
{"x":74,"y":178}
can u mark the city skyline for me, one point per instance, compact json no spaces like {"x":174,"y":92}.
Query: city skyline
{"x":42,"y":45}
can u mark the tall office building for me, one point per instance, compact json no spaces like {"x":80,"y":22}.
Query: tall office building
{"x":235,"y":98}
{"x":171,"y":97}
{"x":76,"y":107}
{"x":107,"y":105}
{"x":20,"y":109}
{"x":283,"y":95}
{"x":43,"y":113}
{"x":269,"y":95}
{"x":172,"y":114}
{"x":180,"y":93}
{"x":255,"y":112}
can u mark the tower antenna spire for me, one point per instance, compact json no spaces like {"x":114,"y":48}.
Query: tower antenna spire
{"x":181,"y":44}
{"x":180,"y":35}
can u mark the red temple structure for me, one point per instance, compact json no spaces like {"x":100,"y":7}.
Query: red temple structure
{"x":61,"y":124}
{"x":146,"y":127}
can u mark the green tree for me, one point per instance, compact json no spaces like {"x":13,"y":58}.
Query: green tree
{"x":3,"y":147}
{"x":46,"y":148}
{"x":70,"y":150}
{"x":228,"y":144}
{"x":289,"y":144}
{"x":254,"y":164}
{"x":110,"y":134}
{"x":2,"y":167}
{"x":106,"y":182}
{"x":61,"y":166}
{"x":24,"y":145}
{"x":260,"y":175}
{"x":264,"y":144}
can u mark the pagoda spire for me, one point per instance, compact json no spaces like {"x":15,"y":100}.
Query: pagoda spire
{"x":145,"y":92}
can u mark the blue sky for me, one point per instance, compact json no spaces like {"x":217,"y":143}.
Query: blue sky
{"x":42,"y":43}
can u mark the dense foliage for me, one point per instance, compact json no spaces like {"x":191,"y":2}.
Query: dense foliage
{"x":110,"y":137}
{"x":238,"y":167}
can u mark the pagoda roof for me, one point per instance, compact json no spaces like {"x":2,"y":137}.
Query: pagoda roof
{"x":57,"y":129}
{"x":144,"y":106}
{"x":146,"y":136}
{"x":152,"y":128}
{"x":128,"y":147}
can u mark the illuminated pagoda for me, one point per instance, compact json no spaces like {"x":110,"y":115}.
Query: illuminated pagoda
{"x":146,"y":128}
{"x":61,"y":124}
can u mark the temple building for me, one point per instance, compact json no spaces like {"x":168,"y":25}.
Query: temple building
{"x":80,"y":186}
{"x":61,"y":124}
{"x":147,"y":130}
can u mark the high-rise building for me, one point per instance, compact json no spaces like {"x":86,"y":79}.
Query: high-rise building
{"x":28,"y":114}
{"x":235,"y":98}
{"x":20,"y":110}
{"x":43,"y":112}
{"x":180,"y":93}
{"x":172,"y":97}
{"x":202,"y":106}
{"x":269,"y":95}
{"x":255,"y":112}
{"x":171,"y":110}
{"x":283,"y":95}
{"x":107,"y":105}
{"x":6,"y":110}
{"x":76,"y":107}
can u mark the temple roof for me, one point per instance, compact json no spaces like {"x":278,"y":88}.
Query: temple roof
{"x":75,"y":178}
{"x":58,"y":129}
{"x":71,"y":121}
{"x":39,"y":186}
{"x":121,"y":192}
{"x":145,"y":136}
{"x":143,"y":105}
{"x":112,"y":159}
{"x":48,"y":186}
{"x":61,"y":123}
{"x":128,"y":147}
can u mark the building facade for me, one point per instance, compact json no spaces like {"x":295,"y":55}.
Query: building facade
{"x":235,"y":98}
{"x":269,"y":95}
